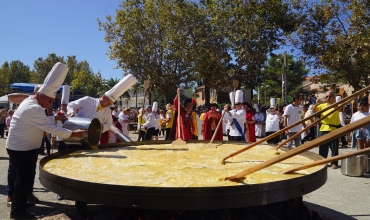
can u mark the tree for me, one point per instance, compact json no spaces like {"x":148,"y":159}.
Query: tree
{"x":335,"y":35}
{"x":253,"y":29}
{"x":43,"y":66}
{"x":13,"y":72}
{"x":4,"y":78}
{"x":296,"y":73}
{"x":88,"y":83}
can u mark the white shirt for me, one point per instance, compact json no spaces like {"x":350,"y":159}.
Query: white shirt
{"x":294,"y":114}
{"x":272,"y":123}
{"x":150,"y":121}
{"x":240,"y":118}
{"x":28,"y":125}
{"x":356,"y":116}
{"x":341,"y":118}
{"x":121,"y":119}
{"x":157,"y":119}
{"x":116,"y":113}
{"x":87,"y":109}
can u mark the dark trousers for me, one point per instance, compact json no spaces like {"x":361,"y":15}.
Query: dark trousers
{"x":45,"y":141}
{"x":2,"y":129}
{"x":168,"y":132}
{"x":149,"y":133}
{"x":236,"y":138}
{"x":333,"y":145}
{"x":141,"y":135}
{"x":311,"y":134}
{"x":24,"y":164}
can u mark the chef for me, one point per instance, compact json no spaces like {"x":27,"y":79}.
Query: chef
{"x":236,"y":118}
{"x":27,"y":128}
{"x":88,"y":107}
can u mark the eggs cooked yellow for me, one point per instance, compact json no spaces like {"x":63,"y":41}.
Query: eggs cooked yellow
{"x":174,"y":166}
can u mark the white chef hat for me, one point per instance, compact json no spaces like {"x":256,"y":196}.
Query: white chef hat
{"x":65,"y":94}
{"x":338,"y":98}
{"x":54,"y":80}
{"x":239,"y":96}
{"x":232,"y":98}
{"x":272,"y":102}
{"x":36,"y":88}
{"x":122,"y":86}
{"x":155,"y":106}
{"x":256,"y":107}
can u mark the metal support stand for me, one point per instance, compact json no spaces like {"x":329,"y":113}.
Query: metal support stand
{"x":82,"y":209}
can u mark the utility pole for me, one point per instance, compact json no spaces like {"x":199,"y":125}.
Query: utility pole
{"x":285,"y":81}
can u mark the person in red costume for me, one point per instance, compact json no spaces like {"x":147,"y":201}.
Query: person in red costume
{"x":211,"y":120}
{"x":250,"y":131}
{"x":188,"y":120}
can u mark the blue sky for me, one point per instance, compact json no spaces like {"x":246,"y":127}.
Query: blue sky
{"x":30,"y":29}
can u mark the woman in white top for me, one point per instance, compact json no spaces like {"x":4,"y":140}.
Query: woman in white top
{"x":272,"y":125}
{"x":362,"y":134}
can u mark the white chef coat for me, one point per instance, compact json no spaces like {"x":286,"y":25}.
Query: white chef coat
{"x":121,"y":118}
{"x":87,"y":109}
{"x":28,"y":125}
{"x":240,"y":118}
{"x":150,"y":121}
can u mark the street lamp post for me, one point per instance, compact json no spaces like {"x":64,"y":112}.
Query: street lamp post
{"x":284,"y":81}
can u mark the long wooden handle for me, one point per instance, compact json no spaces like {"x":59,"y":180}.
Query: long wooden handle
{"x":305,"y":129}
{"x":327,"y":160}
{"x":309,"y":145}
{"x":343,"y":101}
{"x":178,"y":116}
{"x":218,"y":125}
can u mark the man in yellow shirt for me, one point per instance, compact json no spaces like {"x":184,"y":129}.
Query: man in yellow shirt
{"x":169,"y":120}
{"x":328,"y":124}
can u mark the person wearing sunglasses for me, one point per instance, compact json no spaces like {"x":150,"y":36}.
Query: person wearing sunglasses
{"x":328,"y":124}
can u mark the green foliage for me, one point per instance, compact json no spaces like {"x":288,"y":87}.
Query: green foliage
{"x":335,"y":35}
{"x":175,"y":43}
{"x":296,"y":73}
{"x":13,"y":72}
{"x":88,"y":83}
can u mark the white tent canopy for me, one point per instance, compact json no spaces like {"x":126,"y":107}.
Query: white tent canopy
{"x":4,"y":102}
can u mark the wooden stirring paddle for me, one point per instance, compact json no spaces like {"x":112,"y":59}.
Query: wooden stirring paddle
{"x":210,"y":144}
{"x":307,"y":146}
{"x":328,"y":160}
{"x":178,"y":141}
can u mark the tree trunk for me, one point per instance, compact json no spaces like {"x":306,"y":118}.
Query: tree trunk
{"x":206,"y":94}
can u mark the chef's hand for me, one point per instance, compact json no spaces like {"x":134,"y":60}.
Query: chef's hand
{"x":62,"y":118}
{"x":72,"y":114}
{"x":78,"y":133}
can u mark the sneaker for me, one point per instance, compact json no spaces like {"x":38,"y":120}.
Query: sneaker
{"x":22,"y":215}
{"x":32,"y":198}
{"x":9,"y":200}
{"x":333,"y":166}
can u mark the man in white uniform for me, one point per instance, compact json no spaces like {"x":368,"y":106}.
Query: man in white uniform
{"x":27,"y":128}
{"x":236,"y":118}
{"x":89,"y":107}
{"x":292,"y":114}
{"x":150,"y":123}
{"x":124,"y":120}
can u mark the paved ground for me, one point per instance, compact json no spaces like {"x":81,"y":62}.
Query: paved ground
{"x":342,"y":197}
